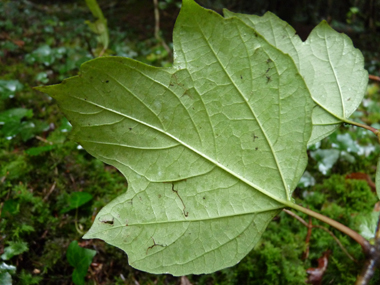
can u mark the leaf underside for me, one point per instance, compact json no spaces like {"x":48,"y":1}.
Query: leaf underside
{"x":212,"y":147}
{"x":332,"y":68}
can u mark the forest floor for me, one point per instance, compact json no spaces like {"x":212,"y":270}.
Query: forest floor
{"x":51,"y":189}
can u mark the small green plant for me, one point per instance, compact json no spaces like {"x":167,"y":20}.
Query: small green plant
{"x":214,"y":146}
{"x":80,"y":258}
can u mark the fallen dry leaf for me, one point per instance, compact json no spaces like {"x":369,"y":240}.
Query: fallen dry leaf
{"x":362,"y":176}
{"x":316,"y":274}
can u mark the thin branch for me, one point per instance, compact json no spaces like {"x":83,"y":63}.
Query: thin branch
{"x":157,"y":28}
{"x":50,"y":191}
{"x":76,"y":223}
{"x":375,"y":131}
{"x":373,"y":77}
{"x":305,"y":255}
{"x":366,"y":246}
{"x":309,"y":226}
{"x":337,"y":241}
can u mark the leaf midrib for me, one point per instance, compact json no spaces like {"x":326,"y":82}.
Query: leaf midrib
{"x":214,"y":162}
{"x":249,"y":105}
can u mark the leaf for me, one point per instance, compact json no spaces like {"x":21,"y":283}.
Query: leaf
{"x":10,"y":207}
{"x":332,"y":68}
{"x":77,"y":199}
{"x":367,"y":224}
{"x":14,"y":248}
{"x":8,"y":88}
{"x":34,"y":151}
{"x":14,"y":115}
{"x":81,"y":259}
{"x":212,"y":148}
{"x":5,"y":273}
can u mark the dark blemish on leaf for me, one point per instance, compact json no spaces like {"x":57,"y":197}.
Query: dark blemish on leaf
{"x":185,"y":213}
{"x":255,"y":34}
{"x":268,"y":69}
{"x":154,"y":244}
{"x":174,"y":80}
{"x":107,"y":222}
{"x":254,"y":137}
{"x":204,"y":197}
{"x":256,"y":148}
{"x":85,"y":99}
{"x":187,"y":94}
{"x":268,"y":78}
{"x":130,"y":129}
{"x":241,"y":77}
{"x":159,"y":196}
{"x":107,"y":81}
{"x":269,"y":61}
{"x":348,"y":99}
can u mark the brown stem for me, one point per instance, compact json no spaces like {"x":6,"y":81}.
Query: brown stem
{"x":157,"y":28}
{"x":366,"y":246}
{"x":373,"y":77}
{"x":310,"y":226}
{"x":375,"y":131}
{"x":305,"y":255}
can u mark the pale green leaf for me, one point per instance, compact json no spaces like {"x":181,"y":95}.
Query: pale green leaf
{"x":5,"y":273}
{"x":212,"y":148}
{"x":368,"y":224}
{"x":330,"y":65}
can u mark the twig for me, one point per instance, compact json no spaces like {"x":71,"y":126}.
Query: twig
{"x":157,"y":28}
{"x":50,"y":191}
{"x":76,"y":223}
{"x":373,"y":77}
{"x":366,"y":246}
{"x":320,"y":227}
{"x":372,"y":129}
{"x":307,"y":241}
{"x":43,"y":140}
{"x":337,"y":241}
